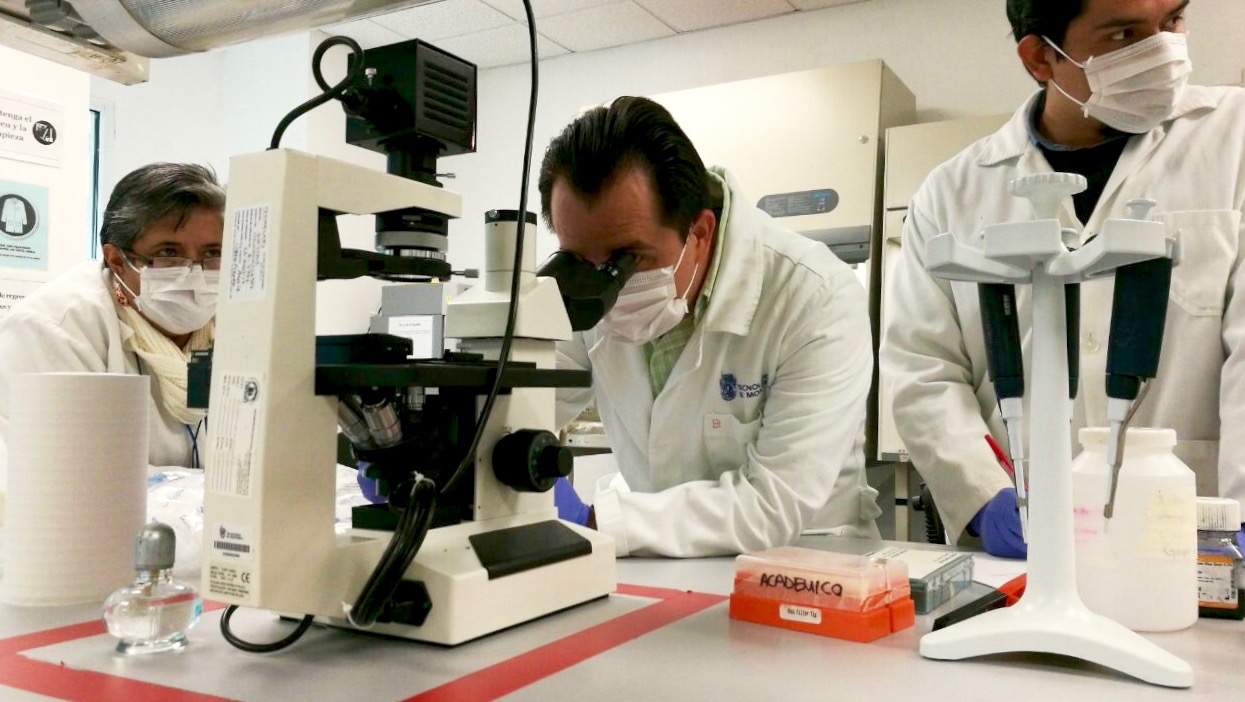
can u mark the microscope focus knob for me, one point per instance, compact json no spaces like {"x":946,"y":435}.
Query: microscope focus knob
{"x":530,"y":460}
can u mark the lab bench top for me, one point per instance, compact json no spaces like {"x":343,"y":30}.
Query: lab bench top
{"x":665,"y":635}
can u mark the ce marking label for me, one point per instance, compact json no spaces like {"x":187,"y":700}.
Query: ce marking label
{"x":246,"y":577}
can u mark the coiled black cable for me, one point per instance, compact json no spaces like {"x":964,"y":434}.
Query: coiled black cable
{"x":399,"y":554}
{"x":330,"y":93}
{"x":265,"y":647}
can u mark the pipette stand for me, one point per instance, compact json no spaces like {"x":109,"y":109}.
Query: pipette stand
{"x":1050,"y":617}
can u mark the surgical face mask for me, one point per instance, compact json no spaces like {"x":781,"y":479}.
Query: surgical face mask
{"x":648,"y":305}
{"x":178,"y":300}
{"x":1135,"y":88}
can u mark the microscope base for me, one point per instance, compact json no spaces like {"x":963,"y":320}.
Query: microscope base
{"x":467,"y":604}
{"x":1064,"y":628}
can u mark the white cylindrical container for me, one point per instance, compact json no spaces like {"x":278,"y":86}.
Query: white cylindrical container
{"x":77,"y":486}
{"x":1141,"y":568}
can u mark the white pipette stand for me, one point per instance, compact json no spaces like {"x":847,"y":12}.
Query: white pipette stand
{"x":1050,"y":617}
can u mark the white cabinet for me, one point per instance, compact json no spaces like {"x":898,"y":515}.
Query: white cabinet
{"x":911,"y":153}
{"x":804,"y":146}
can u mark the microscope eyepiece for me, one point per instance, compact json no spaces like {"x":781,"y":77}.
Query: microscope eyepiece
{"x":588,"y":290}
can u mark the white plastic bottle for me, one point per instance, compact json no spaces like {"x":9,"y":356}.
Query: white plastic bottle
{"x":1141,"y":569}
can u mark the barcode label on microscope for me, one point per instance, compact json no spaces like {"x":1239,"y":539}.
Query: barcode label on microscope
{"x":228,"y":546}
{"x":232,"y":542}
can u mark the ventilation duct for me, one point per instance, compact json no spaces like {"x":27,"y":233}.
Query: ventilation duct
{"x":113,"y":38}
{"x":159,"y":28}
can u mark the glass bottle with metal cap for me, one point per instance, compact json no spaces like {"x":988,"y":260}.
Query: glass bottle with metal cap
{"x":154,"y":612}
{"x":1220,"y":565}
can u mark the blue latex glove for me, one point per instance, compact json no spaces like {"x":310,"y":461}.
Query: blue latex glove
{"x":570,"y":507}
{"x":368,"y":485}
{"x":998,"y":525}
{"x":1240,"y":538}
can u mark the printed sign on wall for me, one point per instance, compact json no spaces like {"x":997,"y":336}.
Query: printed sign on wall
{"x":23,"y":226}
{"x":29,"y":129}
{"x":14,"y":291}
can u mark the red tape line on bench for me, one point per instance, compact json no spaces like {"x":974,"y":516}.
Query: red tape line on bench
{"x":67,"y":683}
{"x":489,"y":683}
{"x":509,"y":675}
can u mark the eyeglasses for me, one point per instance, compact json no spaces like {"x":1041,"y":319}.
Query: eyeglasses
{"x":209,"y":263}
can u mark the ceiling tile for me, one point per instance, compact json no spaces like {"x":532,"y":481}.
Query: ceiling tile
{"x":499,"y":47}
{"x":818,"y":4}
{"x":690,"y":15}
{"x":439,"y":20}
{"x":601,"y":27}
{"x":369,"y":34}
{"x":544,"y":8}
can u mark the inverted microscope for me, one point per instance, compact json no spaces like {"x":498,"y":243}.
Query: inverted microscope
{"x":463,"y":447}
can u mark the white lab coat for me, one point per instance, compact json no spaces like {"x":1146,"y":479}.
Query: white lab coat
{"x":70,"y":324}
{"x":758,"y":433}
{"x":1193,"y":165}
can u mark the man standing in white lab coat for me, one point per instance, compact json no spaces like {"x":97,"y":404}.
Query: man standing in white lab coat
{"x":1114,"y":107}
{"x":732,"y":372}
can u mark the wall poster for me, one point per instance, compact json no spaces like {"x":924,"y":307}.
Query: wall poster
{"x":23,"y":225}
{"x":29,"y":129}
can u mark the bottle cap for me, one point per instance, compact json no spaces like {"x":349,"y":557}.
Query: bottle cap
{"x":1218,"y":514}
{"x":155,"y":547}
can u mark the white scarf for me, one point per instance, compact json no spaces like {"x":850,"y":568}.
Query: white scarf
{"x":167,"y":361}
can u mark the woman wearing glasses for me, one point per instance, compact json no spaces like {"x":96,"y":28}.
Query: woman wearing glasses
{"x":143,"y":312}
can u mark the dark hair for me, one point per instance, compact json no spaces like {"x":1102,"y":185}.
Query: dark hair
{"x":151,"y":193}
{"x":631,"y":132}
{"x":1048,"y":18}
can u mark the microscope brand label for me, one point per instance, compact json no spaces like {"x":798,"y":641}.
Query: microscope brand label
{"x":796,"y":613}
{"x":234,"y":428}
{"x":248,"y":259}
{"x":231,"y":542}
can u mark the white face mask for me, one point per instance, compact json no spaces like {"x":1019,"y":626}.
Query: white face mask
{"x":1134,"y":89}
{"x":178,"y":300}
{"x":648,"y":305}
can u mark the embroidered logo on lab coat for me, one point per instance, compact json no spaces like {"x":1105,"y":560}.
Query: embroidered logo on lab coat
{"x":732,"y":388}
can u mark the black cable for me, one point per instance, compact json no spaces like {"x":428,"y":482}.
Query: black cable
{"x":330,"y":93}
{"x":266,"y":647}
{"x":417,"y":518}
{"x":508,"y":337}
{"x":399,"y":554}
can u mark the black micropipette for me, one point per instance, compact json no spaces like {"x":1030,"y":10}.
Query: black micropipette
{"x":1005,"y":362}
{"x":1138,"y":315}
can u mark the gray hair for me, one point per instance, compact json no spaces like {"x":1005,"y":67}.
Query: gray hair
{"x":151,"y":193}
